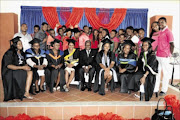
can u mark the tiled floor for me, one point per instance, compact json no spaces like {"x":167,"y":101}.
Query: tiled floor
{"x":76,"y":95}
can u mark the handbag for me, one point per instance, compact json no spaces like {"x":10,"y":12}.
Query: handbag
{"x":163,"y":114}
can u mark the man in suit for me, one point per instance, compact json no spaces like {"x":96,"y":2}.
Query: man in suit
{"x":87,"y":65}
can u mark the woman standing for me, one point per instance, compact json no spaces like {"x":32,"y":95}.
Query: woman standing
{"x":16,"y":75}
{"x":94,"y":39}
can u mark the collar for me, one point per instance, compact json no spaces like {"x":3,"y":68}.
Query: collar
{"x":164,"y":28}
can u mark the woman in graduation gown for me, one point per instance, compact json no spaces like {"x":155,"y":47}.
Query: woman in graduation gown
{"x":71,"y":59}
{"x":147,"y":68}
{"x":36,"y":59}
{"x":16,"y":74}
{"x":55,"y":65}
{"x":127,"y":65}
{"x":105,"y":70}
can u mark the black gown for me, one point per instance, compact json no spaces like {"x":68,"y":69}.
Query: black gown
{"x":101,"y":87}
{"x":130,"y":68}
{"x":151,"y":77}
{"x":14,"y":81}
{"x":52,"y":60}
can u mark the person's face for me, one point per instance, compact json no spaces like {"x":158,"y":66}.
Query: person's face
{"x":86,"y":30}
{"x":120,"y":32}
{"x":68,"y":33}
{"x":122,"y":38}
{"x":96,"y":33}
{"x":48,"y":27}
{"x":36,"y":29}
{"x":141,"y":33}
{"x":19,"y":45}
{"x":155,"y":27}
{"x":45,"y":27}
{"x":24,"y":28}
{"x":90,"y":30}
{"x":106,"y":47}
{"x":112,"y":34}
{"x":129,"y":32}
{"x":145,"y":46}
{"x":52,"y":33}
{"x":136,"y":33}
{"x":77,"y":34}
{"x":61,"y":32}
{"x":64,"y":29}
{"x":88,"y":46}
{"x":36,"y":46}
{"x":71,"y":46}
{"x":127,"y":49}
{"x":104,"y":33}
{"x":100,"y":36}
{"x":162,"y":24}
{"x":81,"y":32}
{"x":100,"y":29}
{"x":56,"y":46}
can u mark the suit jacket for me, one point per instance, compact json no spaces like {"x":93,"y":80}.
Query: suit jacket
{"x":85,"y":60}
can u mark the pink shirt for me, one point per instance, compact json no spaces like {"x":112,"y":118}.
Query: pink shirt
{"x":155,"y":37}
{"x":115,"y":39}
{"x":164,"y":39}
{"x":82,"y":39}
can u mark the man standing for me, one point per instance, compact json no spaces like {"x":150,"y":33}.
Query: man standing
{"x":42,"y":35}
{"x":36,"y":29}
{"x":84,"y":37}
{"x":164,"y":50}
{"x":87,"y":63}
{"x":25,"y":37}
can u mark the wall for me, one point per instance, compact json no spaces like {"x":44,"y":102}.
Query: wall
{"x":155,"y":8}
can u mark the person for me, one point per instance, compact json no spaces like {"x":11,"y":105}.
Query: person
{"x":84,"y":37}
{"x":60,"y":37}
{"x":147,"y":67}
{"x":105,"y":69}
{"x":164,"y":50}
{"x":25,"y":37}
{"x":121,"y":31}
{"x":64,"y":28}
{"x":87,"y":64}
{"x":122,"y":38}
{"x":105,"y":34}
{"x":68,"y":36}
{"x":36,"y":29}
{"x":135,"y":31}
{"x":55,"y":65}
{"x":155,"y":34}
{"x":71,"y":60}
{"x":127,"y":65}
{"x":100,"y":29}
{"x":90,"y":30}
{"x":50,"y":38}
{"x":41,"y":35}
{"x":16,"y":74}
{"x":115,"y":41}
{"x":141,"y":33}
{"x":76,"y":37}
{"x":94,"y":39}
{"x":36,"y":59}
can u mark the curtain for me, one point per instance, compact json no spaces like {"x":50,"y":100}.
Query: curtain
{"x":65,"y":13}
{"x":115,"y":21}
{"x":103,"y":15}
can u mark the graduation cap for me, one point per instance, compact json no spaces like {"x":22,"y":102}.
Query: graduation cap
{"x":106,"y":40}
{"x":146,"y":39}
{"x":76,"y":30}
{"x":35,"y":40}
{"x":129,"y":42}
{"x":71,"y":41}
{"x":68,"y":29}
{"x":15,"y":40}
{"x":55,"y":41}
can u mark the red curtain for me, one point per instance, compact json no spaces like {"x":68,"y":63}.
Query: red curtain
{"x":75,"y":17}
{"x":104,"y":15}
{"x":116,"y":19}
{"x":51,"y":16}
{"x":65,"y":13}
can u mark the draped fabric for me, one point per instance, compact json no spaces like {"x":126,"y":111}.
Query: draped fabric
{"x":51,"y":16}
{"x":33,"y":15}
{"x":115,"y":21}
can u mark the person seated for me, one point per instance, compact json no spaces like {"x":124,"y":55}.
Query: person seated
{"x":71,"y":60}
{"x":16,"y":74}
{"x":127,"y":65}
{"x":147,"y":68}
{"x":36,"y":58}
{"x":105,"y":69}
{"x":88,"y":64}
{"x":55,"y":65}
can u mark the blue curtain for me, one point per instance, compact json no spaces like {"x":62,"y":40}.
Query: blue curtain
{"x":32,"y":15}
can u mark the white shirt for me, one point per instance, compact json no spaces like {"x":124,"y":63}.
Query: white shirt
{"x":135,"y":39}
{"x":25,"y":39}
{"x":88,"y":52}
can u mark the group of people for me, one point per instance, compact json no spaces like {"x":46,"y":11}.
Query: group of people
{"x":125,"y":59}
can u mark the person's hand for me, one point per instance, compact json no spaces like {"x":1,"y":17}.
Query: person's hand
{"x":27,"y":68}
{"x":40,"y":67}
{"x":107,"y":72}
{"x":142,"y":80}
{"x":53,"y":66}
{"x":57,"y":25}
{"x":122,"y":70}
{"x":71,"y":27}
{"x":76,"y":26}
{"x":56,"y":67}
{"x":136,"y":69}
{"x":45,"y":39}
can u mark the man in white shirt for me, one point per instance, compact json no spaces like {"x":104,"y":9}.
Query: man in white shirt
{"x":25,"y":37}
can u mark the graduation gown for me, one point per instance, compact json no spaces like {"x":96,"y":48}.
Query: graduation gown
{"x":152,"y":66}
{"x":75,"y":56}
{"x":53,"y":60}
{"x":129,"y":63}
{"x":99,"y":84}
{"x":14,"y":81}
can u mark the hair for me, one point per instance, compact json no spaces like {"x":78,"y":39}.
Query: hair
{"x":100,"y":27}
{"x":13,"y":47}
{"x":51,"y":29}
{"x":90,"y":28}
{"x":122,"y":35}
{"x":114,"y":31}
{"x":162,"y":18}
{"x":85,"y":26}
{"x":94,"y":35}
{"x":37,"y":26}
{"x":23,"y":24}
{"x":107,"y":32}
{"x":44,"y":23}
{"x":141,"y":29}
{"x":59,"y":29}
{"x":88,"y":41}
{"x":137,"y":30}
{"x":130,"y":27}
{"x":122,"y":30}
{"x":152,"y":31}
{"x":63,"y":26}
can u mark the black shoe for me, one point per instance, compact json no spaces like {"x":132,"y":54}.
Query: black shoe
{"x":129,"y":91}
{"x":162,"y":93}
{"x":42,"y":90}
{"x":156,"y":93}
{"x":37,"y":91}
{"x":89,"y":89}
{"x":83,"y":88}
{"x":141,"y":96}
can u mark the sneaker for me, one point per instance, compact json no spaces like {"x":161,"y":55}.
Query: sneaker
{"x":58,"y":88}
{"x":66,"y":89}
{"x":54,"y":89}
{"x":64,"y":86}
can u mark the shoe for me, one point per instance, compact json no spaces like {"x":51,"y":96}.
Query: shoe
{"x":64,"y":87}
{"x":141,"y":96}
{"x":89,"y":89}
{"x":67,"y":90}
{"x":28,"y":97}
{"x":37,"y":91}
{"x":83,"y":88}
{"x":58,"y":88}
{"x":156,"y":93}
{"x":42,"y":90}
{"x":162,"y":93}
{"x":129,"y":91}
{"x":106,"y":89}
{"x":54,"y":89}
